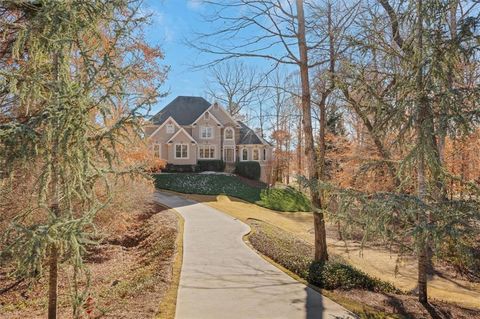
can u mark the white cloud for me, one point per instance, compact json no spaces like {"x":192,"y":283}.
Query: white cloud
{"x":194,"y":4}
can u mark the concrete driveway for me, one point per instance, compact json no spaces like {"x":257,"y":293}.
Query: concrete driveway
{"x":223,"y":278}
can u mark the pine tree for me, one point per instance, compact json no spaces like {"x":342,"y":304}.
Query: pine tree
{"x":69,"y":69}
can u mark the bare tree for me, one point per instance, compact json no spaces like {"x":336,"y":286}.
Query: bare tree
{"x":276,"y":32}
{"x":235,"y":85}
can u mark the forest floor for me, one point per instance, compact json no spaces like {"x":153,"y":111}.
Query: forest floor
{"x":376,"y":261}
{"x":131,"y":273}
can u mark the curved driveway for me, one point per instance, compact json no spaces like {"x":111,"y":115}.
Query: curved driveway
{"x":223,"y":278}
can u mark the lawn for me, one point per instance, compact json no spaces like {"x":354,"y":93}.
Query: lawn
{"x":208,"y":184}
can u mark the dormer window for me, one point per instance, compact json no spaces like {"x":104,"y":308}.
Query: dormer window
{"x":229,"y":133}
{"x":170,"y":128}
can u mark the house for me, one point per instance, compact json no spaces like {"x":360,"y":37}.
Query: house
{"x":190,"y":129}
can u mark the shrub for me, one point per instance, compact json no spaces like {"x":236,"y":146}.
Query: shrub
{"x":296,"y":255}
{"x":206,"y":184}
{"x":250,"y":169}
{"x":285,"y":199}
{"x":172,"y":168}
{"x":211,"y":165}
{"x":334,"y":275}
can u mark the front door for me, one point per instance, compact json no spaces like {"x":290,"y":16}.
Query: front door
{"x":229,"y":158}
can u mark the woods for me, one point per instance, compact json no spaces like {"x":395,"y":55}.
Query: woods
{"x":371,"y":107}
{"x":392,"y":84}
{"x":73,"y":86}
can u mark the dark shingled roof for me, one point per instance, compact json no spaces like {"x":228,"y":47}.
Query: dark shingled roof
{"x":184,"y":109}
{"x":248,"y":136}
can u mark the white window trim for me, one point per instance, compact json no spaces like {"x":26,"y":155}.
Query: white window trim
{"x":225,"y":134}
{"x":168,"y":126}
{"x":241,"y":155}
{"x":175,"y":151}
{"x":163,"y":124}
{"x":201,"y":133}
{"x":209,"y":147}
{"x":258,"y":153}
{"x":234,"y":153}
{"x":159,"y":150}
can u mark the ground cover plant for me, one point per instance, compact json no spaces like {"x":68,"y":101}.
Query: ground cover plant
{"x":285,"y":199}
{"x":208,"y":184}
{"x":350,"y":286}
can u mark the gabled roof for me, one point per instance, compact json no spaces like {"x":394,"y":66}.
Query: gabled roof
{"x":165,"y":122}
{"x":182,"y":130}
{"x":184,"y":109}
{"x":211,"y":115}
{"x":248,"y":136}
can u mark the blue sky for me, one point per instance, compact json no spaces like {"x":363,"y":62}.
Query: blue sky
{"x":173,"y":22}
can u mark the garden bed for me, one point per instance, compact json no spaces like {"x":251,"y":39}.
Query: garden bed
{"x":208,"y":184}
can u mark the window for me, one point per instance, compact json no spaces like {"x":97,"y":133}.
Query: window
{"x":244,"y":154}
{"x":264,"y":154}
{"x":255,"y":154}
{"x":206,"y":151}
{"x":229,"y":133}
{"x":157,"y":150}
{"x":207,"y":116}
{"x":170,"y":129}
{"x":181,"y":150}
{"x":206,"y":132}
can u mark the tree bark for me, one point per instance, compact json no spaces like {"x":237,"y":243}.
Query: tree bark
{"x":422,"y":140}
{"x":54,"y":207}
{"x":311,"y":158}
{"x":52,"y":283}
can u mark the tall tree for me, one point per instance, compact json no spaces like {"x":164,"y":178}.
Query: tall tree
{"x":72,"y":88}
{"x":402,"y":74}
{"x":235,"y":85}
{"x":276,"y":31}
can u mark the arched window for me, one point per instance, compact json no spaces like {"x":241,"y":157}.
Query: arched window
{"x":244,"y":155}
{"x":229,"y":133}
{"x":255,"y":154}
{"x":264,"y":154}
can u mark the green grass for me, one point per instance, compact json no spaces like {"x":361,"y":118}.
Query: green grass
{"x":205,"y":184}
{"x":286,"y":199}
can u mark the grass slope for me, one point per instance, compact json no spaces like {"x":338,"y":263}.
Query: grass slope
{"x":205,"y":184}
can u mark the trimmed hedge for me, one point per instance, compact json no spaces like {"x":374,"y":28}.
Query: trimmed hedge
{"x":285,"y":199}
{"x":210,"y":165}
{"x":172,"y":168}
{"x":208,"y":184}
{"x":250,"y":169}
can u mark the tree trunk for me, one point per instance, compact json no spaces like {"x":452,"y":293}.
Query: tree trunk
{"x":311,"y":158}
{"x":52,"y":282}
{"x":422,"y":140}
{"x":54,"y":206}
{"x":299,"y":146}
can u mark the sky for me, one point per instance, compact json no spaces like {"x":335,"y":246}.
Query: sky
{"x":173,"y":23}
